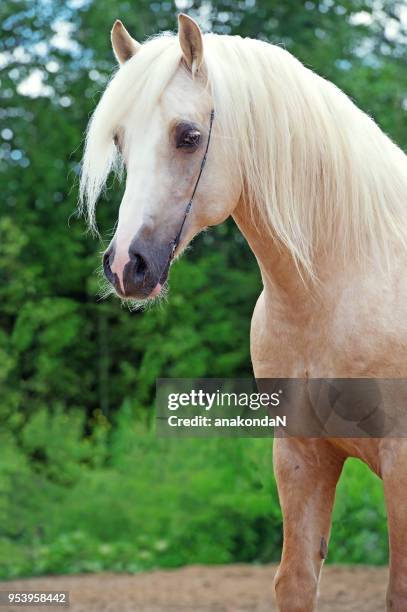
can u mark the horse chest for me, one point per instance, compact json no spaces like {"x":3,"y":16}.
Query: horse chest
{"x":350,"y":340}
{"x":283,"y":350}
{"x":283,"y":345}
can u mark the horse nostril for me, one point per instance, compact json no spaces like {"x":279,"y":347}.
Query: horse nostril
{"x":140,"y":265}
{"x":136,"y":273}
{"x":106,"y":265}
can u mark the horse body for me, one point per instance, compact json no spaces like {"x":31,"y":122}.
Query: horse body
{"x":352,"y":326}
{"x":320,"y":194}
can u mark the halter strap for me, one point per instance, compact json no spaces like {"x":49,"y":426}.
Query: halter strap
{"x":189,"y":205}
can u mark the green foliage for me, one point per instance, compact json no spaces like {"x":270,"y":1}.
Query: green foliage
{"x":360,"y":522}
{"x":82,"y":484}
{"x":124,"y":500}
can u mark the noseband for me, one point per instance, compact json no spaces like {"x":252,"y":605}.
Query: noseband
{"x":189,"y":205}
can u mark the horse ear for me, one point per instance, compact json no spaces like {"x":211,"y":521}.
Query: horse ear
{"x":190,"y":39}
{"x":124,"y":46}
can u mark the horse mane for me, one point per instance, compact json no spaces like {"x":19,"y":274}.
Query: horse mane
{"x":319,"y":171}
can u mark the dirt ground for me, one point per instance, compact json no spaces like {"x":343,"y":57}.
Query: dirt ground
{"x":235,"y":588}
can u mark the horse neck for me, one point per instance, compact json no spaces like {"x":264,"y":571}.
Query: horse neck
{"x":280,"y":274}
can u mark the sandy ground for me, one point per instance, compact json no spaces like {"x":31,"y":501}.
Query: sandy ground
{"x":234,"y":588}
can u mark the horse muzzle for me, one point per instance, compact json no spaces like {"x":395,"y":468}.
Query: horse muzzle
{"x":142,"y":272}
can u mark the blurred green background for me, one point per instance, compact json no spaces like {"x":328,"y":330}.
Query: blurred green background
{"x":84,"y":483}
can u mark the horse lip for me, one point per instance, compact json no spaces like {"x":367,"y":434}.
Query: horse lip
{"x":147,"y":289}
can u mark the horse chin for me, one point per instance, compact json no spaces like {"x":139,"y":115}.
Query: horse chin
{"x":155,"y":292}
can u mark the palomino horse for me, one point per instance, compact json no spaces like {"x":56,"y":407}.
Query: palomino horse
{"x":319,"y":192}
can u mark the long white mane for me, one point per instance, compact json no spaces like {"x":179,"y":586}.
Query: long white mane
{"x":319,"y":170}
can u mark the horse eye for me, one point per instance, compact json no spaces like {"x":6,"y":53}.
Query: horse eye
{"x":187,"y":137}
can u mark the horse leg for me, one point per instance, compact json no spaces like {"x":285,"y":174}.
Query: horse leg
{"x":307,"y":471}
{"x":393,"y":471}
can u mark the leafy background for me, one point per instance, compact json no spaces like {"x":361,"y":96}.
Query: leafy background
{"x":84,"y":483}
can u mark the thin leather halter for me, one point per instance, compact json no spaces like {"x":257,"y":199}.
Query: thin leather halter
{"x":189,"y":205}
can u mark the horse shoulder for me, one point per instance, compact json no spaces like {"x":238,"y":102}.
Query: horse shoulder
{"x":369,"y":327}
{"x":361,"y":331}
